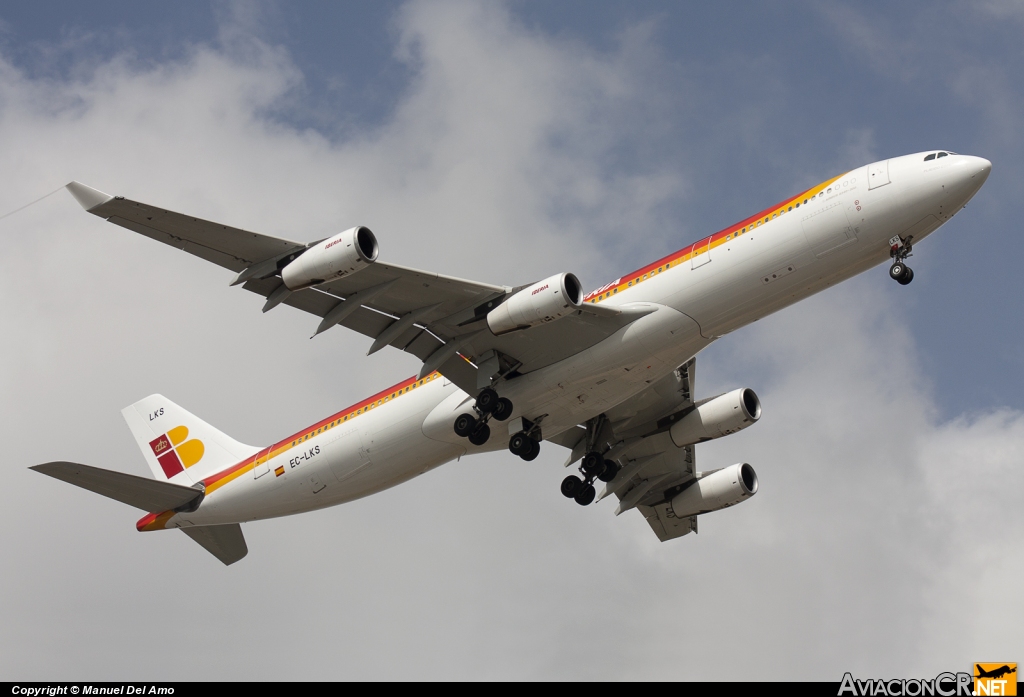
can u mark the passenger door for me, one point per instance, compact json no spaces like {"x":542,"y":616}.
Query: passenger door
{"x":261,"y":465}
{"x":700,"y":254}
{"x":878,"y":174}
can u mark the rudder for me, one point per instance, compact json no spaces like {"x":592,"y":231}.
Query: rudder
{"x":178,"y":446}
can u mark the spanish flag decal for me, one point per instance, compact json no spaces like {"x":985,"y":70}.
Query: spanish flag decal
{"x":279,"y":471}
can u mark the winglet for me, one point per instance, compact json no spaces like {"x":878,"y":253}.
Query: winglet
{"x":87,"y":196}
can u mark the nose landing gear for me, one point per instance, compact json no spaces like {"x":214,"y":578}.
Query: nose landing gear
{"x":593,"y":466}
{"x":488,"y":404}
{"x":899,"y":250}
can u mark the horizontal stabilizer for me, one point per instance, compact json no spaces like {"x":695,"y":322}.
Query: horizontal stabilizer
{"x":222,"y":541}
{"x":147,"y":494}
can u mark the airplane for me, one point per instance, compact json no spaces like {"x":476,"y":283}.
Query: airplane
{"x":995,"y":673}
{"x":608,"y":375}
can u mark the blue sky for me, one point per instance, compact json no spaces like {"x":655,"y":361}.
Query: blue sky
{"x":766,"y":98}
{"x":506,"y":142}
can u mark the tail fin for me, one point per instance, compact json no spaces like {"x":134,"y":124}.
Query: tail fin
{"x":178,"y":446}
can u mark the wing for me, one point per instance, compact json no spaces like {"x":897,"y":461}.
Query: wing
{"x":636,"y":435}
{"x":432,"y":316}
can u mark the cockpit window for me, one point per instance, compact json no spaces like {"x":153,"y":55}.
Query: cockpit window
{"x":929,"y":157}
{"x":942,"y":154}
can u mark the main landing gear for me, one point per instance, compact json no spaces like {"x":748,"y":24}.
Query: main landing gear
{"x":488,"y":404}
{"x":593,"y":466}
{"x":899,"y":250}
{"x":524,"y":445}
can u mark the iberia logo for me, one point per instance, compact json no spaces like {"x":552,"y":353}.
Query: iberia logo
{"x":995,"y":678}
{"x":174,"y":452}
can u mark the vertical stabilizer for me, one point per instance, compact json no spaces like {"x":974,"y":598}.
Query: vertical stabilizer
{"x":178,"y":446}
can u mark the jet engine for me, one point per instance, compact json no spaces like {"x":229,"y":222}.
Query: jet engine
{"x":544,"y":301}
{"x":715,"y":491}
{"x":333,"y":258}
{"x":725,"y":414}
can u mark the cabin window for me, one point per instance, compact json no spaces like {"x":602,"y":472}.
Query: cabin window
{"x":798,"y":205}
{"x":805,"y":202}
{"x":615,"y":290}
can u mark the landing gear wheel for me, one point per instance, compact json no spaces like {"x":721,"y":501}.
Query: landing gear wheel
{"x":908,"y":276}
{"x":897,"y":271}
{"x":503,"y":409}
{"x":519,"y":444}
{"x":610,"y":470}
{"x":480,"y":435}
{"x":593,"y":465}
{"x":487,"y":400}
{"x":533,"y":452}
{"x":464,"y":425}
{"x":571,"y":486}
{"x":585,"y":496}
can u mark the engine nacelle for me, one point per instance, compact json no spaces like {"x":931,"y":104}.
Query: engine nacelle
{"x":716,"y":491}
{"x":725,"y":414}
{"x":544,"y":301}
{"x":338,"y":256}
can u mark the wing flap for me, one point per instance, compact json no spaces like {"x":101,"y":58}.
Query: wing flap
{"x":664,"y":522}
{"x":146,"y":494}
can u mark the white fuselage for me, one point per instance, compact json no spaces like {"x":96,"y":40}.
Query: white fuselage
{"x":742,"y":274}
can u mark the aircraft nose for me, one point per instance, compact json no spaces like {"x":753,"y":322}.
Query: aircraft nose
{"x":973,"y":172}
{"x":978,"y":170}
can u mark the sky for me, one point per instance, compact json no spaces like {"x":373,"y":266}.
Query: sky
{"x":506,"y":142}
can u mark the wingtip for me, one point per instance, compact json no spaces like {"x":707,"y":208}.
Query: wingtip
{"x":87,"y":197}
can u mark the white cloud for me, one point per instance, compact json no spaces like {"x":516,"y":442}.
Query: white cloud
{"x":858,"y":553}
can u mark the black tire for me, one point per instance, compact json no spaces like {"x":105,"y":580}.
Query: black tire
{"x":593,"y":464}
{"x":519,"y":444}
{"x":585,"y":496}
{"x":503,"y":410}
{"x":908,"y":276}
{"x":533,"y":452}
{"x":897,"y":271}
{"x":464,"y":424}
{"x":487,"y":400}
{"x":480,"y":435}
{"x":571,"y":486}
{"x":610,"y":470}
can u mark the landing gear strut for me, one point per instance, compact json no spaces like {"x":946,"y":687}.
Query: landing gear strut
{"x":899,"y":250}
{"x":593,"y":466}
{"x":488,"y":404}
